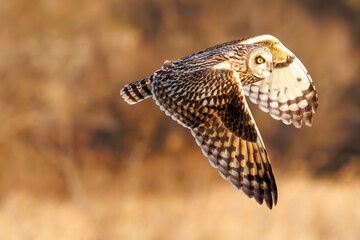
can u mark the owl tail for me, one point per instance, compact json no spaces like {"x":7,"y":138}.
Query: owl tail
{"x":137,"y":91}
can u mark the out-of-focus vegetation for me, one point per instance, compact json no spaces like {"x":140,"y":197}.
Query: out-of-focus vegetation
{"x":76,"y":162}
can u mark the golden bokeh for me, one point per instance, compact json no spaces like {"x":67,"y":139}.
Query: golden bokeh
{"x":77,"y":162}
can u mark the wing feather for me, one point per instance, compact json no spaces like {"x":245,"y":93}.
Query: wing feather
{"x":222,"y":125}
{"x":291,"y":94}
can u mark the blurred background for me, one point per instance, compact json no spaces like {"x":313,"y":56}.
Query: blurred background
{"x":76,"y":162}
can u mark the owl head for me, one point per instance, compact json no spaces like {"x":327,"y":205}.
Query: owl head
{"x":260,"y":62}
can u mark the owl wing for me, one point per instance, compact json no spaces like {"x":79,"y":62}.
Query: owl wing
{"x":211,"y":103}
{"x":289,"y":93}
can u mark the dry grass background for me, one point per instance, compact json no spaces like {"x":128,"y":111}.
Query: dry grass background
{"x":76,"y":162}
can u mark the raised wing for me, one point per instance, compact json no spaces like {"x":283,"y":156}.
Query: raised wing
{"x":211,"y":103}
{"x":289,"y":93}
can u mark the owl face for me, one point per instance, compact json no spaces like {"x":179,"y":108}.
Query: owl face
{"x":260,"y":63}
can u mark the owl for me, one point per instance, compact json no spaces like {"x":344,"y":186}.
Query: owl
{"x":205,"y":92}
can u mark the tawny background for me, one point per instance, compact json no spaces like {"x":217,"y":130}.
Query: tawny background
{"x":76,"y":162}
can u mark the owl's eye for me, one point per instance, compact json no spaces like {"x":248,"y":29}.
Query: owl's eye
{"x":259,"y":60}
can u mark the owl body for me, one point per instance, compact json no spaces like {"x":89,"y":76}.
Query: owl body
{"x":233,"y":56}
{"x":205,"y":92}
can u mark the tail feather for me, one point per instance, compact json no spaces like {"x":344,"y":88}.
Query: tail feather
{"x":137,"y":91}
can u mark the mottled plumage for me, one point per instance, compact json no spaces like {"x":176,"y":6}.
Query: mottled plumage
{"x":205,"y":92}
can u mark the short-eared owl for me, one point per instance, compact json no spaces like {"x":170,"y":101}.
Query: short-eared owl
{"x":205,"y":92}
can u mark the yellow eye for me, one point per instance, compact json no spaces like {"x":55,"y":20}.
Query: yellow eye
{"x":259,"y":60}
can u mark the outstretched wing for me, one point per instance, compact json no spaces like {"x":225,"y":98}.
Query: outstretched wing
{"x":211,"y":103}
{"x":289,"y":93}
